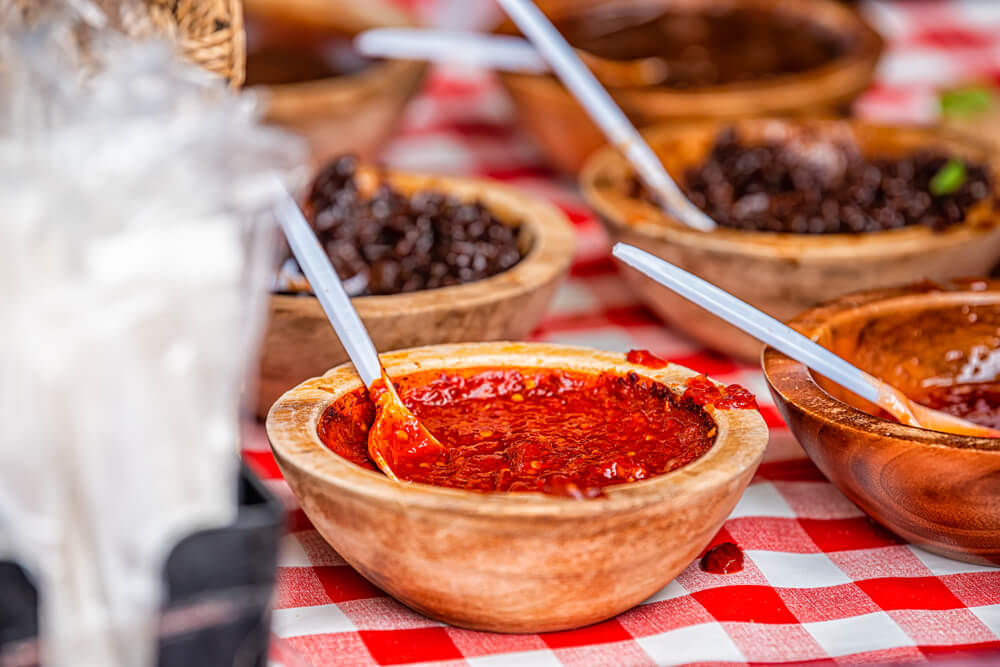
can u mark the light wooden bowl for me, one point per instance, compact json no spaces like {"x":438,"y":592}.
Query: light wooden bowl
{"x":511,"y":562}
{"x":783,"y":274}
{"x":934,"y":489}
{"x":351,"y":113}
{"x":300,"y":343}
{"x":567,"y":135}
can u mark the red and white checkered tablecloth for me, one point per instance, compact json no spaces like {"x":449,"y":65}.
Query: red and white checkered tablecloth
{"x":822,"y":583}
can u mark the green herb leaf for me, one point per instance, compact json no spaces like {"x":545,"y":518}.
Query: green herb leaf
{"x":949,"y":178}
{"x":968,"y":101}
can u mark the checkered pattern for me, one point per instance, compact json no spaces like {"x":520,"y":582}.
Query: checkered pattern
{"x":822,"y":583}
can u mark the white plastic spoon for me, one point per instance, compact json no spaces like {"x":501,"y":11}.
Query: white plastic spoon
{"x":393,"y":420}
{"x":498,"y":52}
{"x":783,"y":338}
{"x":564,"y":61}
{"x":603,"y":110}
{"x":504,"y":53}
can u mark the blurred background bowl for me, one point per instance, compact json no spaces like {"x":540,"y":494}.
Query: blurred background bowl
{"x":567,"y":136}
{"x":301,"y":62}
{"x":783,"y":274}
{"x":934,"y":489}
{"x":300,"y":343}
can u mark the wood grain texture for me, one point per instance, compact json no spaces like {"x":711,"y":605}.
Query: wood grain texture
{"x":783,"y":274}
{"x":937,"y":490}
{"x":300,"y":343}
{"x":511,"y":562}
{"x":568,"y":137}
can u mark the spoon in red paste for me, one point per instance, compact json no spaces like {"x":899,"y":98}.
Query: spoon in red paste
{"x":768,"y":330}
{"x":397,"y":439}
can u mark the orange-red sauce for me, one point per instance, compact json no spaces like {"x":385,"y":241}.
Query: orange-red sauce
{"x":549,"y":431}
{"x":702,"y":391}
{"x":645,"y":358}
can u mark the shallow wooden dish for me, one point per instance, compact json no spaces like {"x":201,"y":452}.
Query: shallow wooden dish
{"x":511,"y":562}
{"x":936,"y":490}
{"x":300,"y":343}
{"x":783,"y":274}
{"x":568,"y":136}
{"x":350,"y":113}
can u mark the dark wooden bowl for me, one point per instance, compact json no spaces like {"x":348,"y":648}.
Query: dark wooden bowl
{"x":567,"y":135}
{"x":511,"y":562}
{"x":937,"y":490}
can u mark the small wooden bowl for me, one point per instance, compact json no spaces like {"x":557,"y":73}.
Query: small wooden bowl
{"x":783,"y":274}
{"x":350,"y":113}
{"x":511,"y":562}
{"x":300,"y":343}
{"x":568,"y":137}
{"x":934,"y":489}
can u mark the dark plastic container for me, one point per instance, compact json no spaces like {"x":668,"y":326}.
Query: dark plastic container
{"x":219,"y":584}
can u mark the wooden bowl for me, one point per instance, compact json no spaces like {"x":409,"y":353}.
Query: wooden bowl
{"x":934,"y":489}
{"x":567,"y":135}
{"x":511,"y":562}
{"x":300,"y":343}
{"x":783,"y":274}
{"x":349,"y":113}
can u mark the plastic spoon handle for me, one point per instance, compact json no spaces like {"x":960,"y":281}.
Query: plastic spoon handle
{"x":500,"y":52}
{"x":326,"y":286}
{"x":603,"y":110}
{"x":761,"y":326}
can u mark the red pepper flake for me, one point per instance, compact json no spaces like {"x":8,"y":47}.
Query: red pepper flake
{"x":703,"y":391}
{"x":645,"y":358}
{"x":725,"y":558}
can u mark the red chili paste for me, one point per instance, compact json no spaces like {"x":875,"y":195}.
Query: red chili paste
{"x":702,"y":391}
{"x":645,"y":358}
{"x":549,"y":431}
{"x":725,"y":558}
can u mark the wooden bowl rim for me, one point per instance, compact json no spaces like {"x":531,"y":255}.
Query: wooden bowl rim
{"x":341,"y":17}
{"x":552,"y":248}
{"x":293,"y":419}
{"x":828,"y":13}
{"x":796,"y":385}
{"x":607,"y":164}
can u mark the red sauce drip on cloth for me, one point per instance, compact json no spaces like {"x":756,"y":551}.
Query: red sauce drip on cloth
{"x":645,"y":358}
{"x":536,"y":430}
{"x":704,"y":392}
{"x":725,"y":558}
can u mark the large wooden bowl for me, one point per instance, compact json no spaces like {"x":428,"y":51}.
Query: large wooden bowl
{"x":783,"y":274}
{"x":511,"y":562}
{"x":351,"y":113}
{"x":300,"y":343}
{"x":937,"y":490}
{"x":567,"y":135}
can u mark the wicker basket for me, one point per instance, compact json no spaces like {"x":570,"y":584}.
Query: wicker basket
{"x":208,"y":33}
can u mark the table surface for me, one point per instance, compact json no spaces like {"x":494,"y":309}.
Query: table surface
{"x":822,"y":583}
